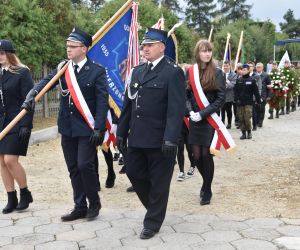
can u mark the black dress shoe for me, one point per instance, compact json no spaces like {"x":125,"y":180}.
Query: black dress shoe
{"x":93,"y":211}
{"x":74,"y":215}
{"x":110,"y":181}
{"x":121,"y":161}
{"x":228,"y":126}
{"x":123,"y":170}
{"x":130,"y":189}
{"x":147,"y":234}
{"x":205,"y":200}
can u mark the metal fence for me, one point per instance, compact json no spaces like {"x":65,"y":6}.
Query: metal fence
{"x":48,"y":106}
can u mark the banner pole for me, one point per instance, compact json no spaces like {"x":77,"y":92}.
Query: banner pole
{"x":239,"y":49}
{"x":210,"y":34}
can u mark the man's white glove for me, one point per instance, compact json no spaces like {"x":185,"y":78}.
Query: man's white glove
{"x":195,"y":117}
{"x":113,"y":129}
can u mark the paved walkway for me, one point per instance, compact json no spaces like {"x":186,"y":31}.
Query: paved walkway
{"x":40,"y":228}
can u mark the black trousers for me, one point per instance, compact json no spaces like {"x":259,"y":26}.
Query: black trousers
{"x":150,"y":174}
{"x":235,"y":112}
{"x":261,"y":112}
{"x":227,"y":108}
{"x":255,"y":115}
{"x":80,"y":157}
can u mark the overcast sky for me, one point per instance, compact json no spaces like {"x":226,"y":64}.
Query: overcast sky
{"x":272,"y":9}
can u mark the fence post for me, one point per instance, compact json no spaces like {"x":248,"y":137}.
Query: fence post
{"x":45,"y":97}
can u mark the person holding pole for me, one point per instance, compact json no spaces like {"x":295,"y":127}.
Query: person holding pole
{"x":81,"y":121}
{"x":15,"y":83}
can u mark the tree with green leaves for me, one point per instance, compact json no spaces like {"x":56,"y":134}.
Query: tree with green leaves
{"x":255,"y":46}
{"x":234,"y":10}
{"x":291,"y":26}
{"x":199,"y":15}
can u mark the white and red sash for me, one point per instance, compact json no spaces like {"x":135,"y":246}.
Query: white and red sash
{"x":77,"y":96}
{"x":83,"y":108}
{"x":221,"y":135}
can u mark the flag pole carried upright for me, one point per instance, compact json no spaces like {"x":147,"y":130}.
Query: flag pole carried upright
{"x":210,"y":34}
{"x":239,"y":49}
{"x":23,"y":112}
{"x":226,"y":47}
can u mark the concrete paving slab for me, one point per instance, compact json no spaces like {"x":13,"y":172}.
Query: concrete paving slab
{"x":289,"y":242}
{"x":289,"y":230}
{"x":250,"y":244}
{"x":212,"y":245}
{"x":269,"y":223}
{"x":5,"y":241}
{"x":33,"y":239}
{"x":260,"y":234}
{"x":58,"y":245}
{"x":53,"y":228}
{"x":189,"y":227}
{"x":225,"y":236}
{"x":76,"y":235}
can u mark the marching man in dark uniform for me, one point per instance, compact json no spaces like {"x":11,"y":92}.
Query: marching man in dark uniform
{"x":151,"y":119}
{"x":81,"y":121}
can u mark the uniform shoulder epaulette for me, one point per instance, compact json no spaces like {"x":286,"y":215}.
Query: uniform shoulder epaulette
{"x":171,"y":62}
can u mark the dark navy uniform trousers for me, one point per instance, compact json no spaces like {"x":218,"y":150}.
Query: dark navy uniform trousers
{"x":80,"y":156}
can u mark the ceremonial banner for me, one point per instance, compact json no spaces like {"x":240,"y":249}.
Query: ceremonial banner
{"x":110,"y":50}
{"x":116,"y":49}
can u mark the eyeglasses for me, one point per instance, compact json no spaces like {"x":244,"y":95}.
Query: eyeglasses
{"x":73,"y":46}
{"x":2,"y":53}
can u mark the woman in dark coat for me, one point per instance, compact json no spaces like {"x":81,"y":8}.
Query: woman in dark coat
{"x":201,"y":132}
{"x":15,"y":83}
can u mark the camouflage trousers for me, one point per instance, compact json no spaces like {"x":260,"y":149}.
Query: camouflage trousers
{"x":245,"y":114}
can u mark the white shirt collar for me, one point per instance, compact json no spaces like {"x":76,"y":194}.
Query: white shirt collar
{"x":80,"y":64}
{"x":155,"y":62}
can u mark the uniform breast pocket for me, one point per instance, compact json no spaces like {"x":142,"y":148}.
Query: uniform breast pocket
{"x":155,"y":85}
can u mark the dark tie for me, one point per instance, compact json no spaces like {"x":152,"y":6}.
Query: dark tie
{"x":148,"y":68}
{"x":76,"y":69}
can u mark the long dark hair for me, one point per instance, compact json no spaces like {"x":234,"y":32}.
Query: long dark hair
{"x":207,"y":70}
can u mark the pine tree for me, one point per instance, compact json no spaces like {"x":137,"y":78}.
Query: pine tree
{"x":234,"y":10}
{"x":172,"y":5}
{"x":199,"y":15}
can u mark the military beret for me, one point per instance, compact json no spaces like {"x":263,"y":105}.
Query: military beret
{"x":78,"y":35}
{"x":154,"y":36}
{"x":6,"y":45}
{"x":245,"y":66}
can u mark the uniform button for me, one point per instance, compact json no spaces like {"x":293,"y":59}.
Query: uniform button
{"x":141,"y":87}
{"x":154,"y":84}
{"x":137,"y":116}
{"x":71,"y":113}
{"x":140,"y":96}
{"x":72,"y":103}
{"x":138,"y":106}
